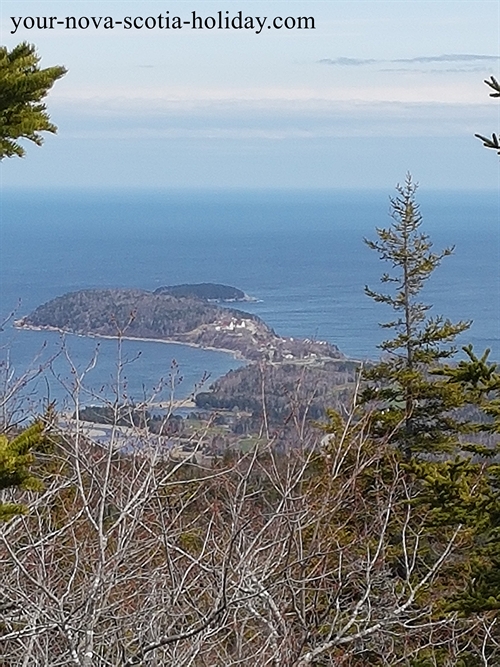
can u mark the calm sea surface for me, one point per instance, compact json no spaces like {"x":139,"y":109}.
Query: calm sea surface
{"x":300,"y":253}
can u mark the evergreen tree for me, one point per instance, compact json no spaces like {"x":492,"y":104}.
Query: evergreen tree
{"x":23,"y":86}
{"x":410,"y":406}
{"x":16,"y":458}
{"x":479,"y":380}
{"x":493,"y":142}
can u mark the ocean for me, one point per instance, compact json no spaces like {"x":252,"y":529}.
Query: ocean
{"x":300,"y":253}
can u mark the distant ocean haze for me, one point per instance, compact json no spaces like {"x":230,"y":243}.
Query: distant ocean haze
{"x":301,"y":254}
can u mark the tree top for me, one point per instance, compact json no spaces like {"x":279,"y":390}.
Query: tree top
{"x":23,"y":86}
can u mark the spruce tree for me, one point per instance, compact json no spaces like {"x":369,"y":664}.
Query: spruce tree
{"x":16,"y":458}
{"x":410,"y":407}
{"x":493,"y":142}
{"x":23,"y":86}
{"x":479,"y":380}
{"x":23,"y":115}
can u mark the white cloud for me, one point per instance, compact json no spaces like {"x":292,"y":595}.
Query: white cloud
{"x":445,"y":58}
{"x":283,"y":120}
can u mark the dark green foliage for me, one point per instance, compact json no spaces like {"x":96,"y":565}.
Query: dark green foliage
{"x":480,"y":380}
{"x":121,"y":415}
{"x":186,"y":319}
{"x":493,"y":142}
{"x":410,"y":407}
{"x":131,"y":312}
{"x":479,"y":508}
{"x":16,"y":459}
{"x":207,"y":291}
{"x":287,"y":389}
{"x":482,"y":593}
{"x":23,"y":86}
{"x":131,"y":416}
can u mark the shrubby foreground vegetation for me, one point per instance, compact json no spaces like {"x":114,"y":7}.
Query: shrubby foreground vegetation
{"x":373,"y":540}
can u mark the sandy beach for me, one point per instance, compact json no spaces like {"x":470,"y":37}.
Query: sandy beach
{"x":19,"y":324}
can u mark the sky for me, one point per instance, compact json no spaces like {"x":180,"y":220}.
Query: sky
{"x":376,"y":89}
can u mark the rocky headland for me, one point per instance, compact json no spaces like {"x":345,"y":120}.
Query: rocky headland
{"x":182,"y":318}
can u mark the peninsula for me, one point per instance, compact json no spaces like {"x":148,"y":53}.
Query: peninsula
{"x":184,"y":317}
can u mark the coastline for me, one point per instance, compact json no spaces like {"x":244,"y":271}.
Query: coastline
{"x":30,"y":327}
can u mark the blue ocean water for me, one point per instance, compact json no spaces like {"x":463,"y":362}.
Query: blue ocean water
{"x":300,"y":253}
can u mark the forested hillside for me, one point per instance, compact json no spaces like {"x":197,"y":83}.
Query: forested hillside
{"x":162,"y":316}
{"x":131,"y":312}
{"x":281,"y":390}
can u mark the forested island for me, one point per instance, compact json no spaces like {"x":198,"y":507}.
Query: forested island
{"x":207,"y":291}
{"x":164,"y":316}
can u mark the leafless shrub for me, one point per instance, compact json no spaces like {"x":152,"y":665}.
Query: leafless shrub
{"x":315,"y":557}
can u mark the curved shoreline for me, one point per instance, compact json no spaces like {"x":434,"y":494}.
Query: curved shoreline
{"x":30,"y":327}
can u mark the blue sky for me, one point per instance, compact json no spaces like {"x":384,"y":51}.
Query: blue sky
{"x":375,"y":90}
